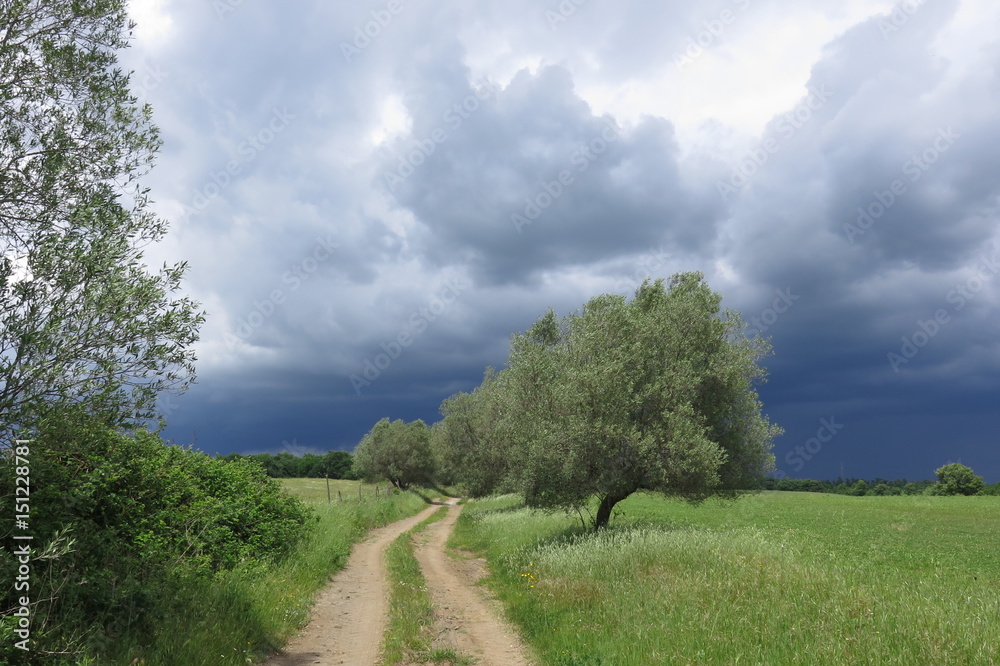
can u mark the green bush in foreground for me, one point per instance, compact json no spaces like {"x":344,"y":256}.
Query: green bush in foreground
{"x":128,"y":522}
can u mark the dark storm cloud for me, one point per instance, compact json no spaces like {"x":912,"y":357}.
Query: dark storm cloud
{"x":526,"y":178}
{"x":400,"y":164}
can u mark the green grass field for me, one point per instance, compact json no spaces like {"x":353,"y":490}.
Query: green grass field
{"x":775,"y":578}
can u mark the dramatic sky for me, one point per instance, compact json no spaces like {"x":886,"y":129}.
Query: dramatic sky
{"x":372,"y":196}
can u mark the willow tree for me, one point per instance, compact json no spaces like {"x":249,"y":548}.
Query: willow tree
{"x":82,"y":318}
{"x":657,"y":393}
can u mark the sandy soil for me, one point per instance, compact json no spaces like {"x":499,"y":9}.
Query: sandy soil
{"x":349,"y":616}
{"x":466,"y":619}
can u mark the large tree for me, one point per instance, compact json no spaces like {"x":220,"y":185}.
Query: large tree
{"x":82,"y":318}
{"x":657,"y":393}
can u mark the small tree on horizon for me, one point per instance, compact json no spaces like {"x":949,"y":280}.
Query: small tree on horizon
{"x":397,"y":451}
{"x":957,"y":479}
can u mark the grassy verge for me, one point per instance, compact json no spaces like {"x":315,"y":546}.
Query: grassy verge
{"x":242,"y":615}
{"x":779,"y":578}
{"x":408,"y":638}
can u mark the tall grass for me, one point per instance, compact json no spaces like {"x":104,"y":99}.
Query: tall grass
{"x":241,"y":615}
{"x":780,"y":578}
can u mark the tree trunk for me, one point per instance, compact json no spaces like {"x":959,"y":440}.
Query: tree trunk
{"x":604,"y":510}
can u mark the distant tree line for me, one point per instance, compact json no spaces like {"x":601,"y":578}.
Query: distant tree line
{"x":953,"y":479}
{"x":284,"y":465}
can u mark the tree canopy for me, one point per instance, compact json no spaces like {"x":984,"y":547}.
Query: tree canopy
{"x":957,"y":479}
{"x":654,"y":393}
{"x":397,"y":451}
{"x":82,"y":319}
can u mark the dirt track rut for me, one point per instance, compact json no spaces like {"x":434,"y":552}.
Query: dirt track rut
{"x":350,"y":614}
{"x":465,"y":618}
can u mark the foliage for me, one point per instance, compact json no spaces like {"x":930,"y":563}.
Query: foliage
{"x":143,"y":517}
{"x":850,"y":486}
{"x":81,"y":319}
{"x":656,"y":393}
{"x":957,"y":479}
{"x":397,"y":451}
{"x":472,"y":442}
{"x":284,"y":465}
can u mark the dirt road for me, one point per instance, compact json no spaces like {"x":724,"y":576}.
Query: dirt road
{"x":465,"y":618}
{"x":350,"y":615}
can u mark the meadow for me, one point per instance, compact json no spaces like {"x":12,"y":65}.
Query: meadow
{"x":774,"y":578}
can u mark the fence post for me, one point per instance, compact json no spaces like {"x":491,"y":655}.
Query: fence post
{"x":340,"y":497}
{"x":328,"y":499}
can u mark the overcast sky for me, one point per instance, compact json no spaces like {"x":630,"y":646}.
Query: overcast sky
{"x":372,"y":196}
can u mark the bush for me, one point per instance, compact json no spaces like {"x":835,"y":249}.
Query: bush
{"x":957,"y":479}
{"x":133,"y":518}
